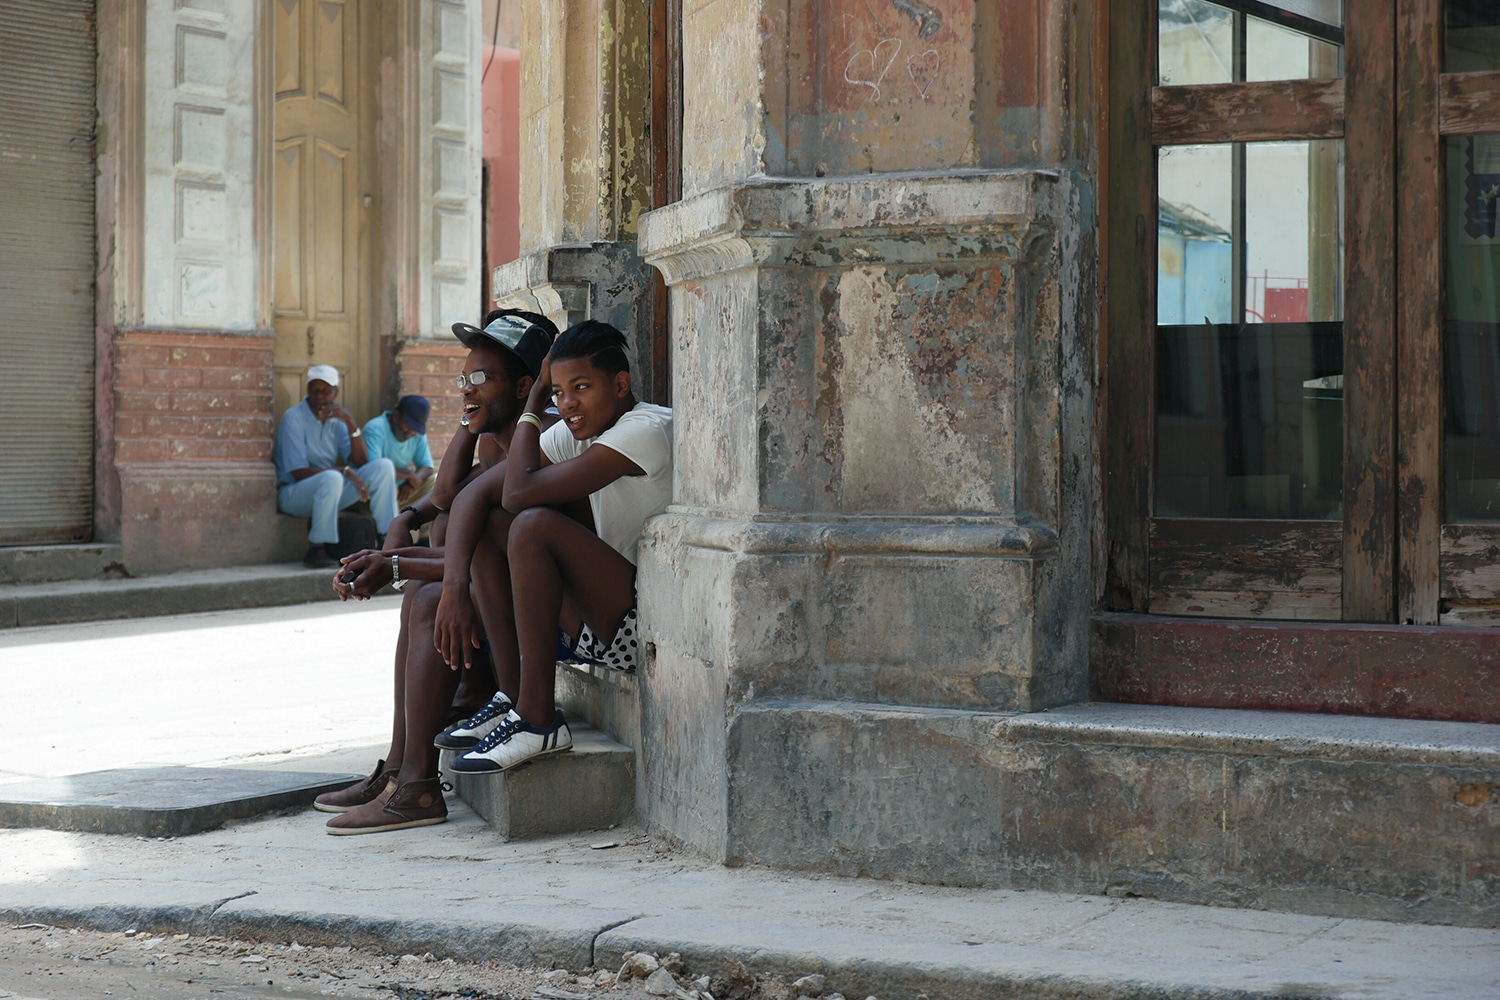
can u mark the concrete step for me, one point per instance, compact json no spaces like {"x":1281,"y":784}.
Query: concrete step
{"x":61,"y":602}
{"x":171,"y":801}
{"x":22,"y":564}
{"x":1319,"y":814}
{"x":591,"y":787}
{"x":608,"y":699}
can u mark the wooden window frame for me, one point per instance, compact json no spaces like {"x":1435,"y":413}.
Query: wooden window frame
{"x":1357,"y":109}
{"x":1409,"y":569}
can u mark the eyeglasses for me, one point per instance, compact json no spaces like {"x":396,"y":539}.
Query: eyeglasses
{"x":475,"y":377}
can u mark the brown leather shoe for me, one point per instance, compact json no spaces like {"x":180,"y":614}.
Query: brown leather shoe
{"x":399,"y":807}
{"x":357,"y":794}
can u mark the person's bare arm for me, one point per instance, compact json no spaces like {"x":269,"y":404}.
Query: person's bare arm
{"x":373,"y":570}
{"x":456,"y":469}
{"x":357,"y":454}
{"x":533,"y":481}
{"x":456,"y":630}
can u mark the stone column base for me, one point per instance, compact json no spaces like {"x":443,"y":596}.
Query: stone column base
{"x":741,"y":613}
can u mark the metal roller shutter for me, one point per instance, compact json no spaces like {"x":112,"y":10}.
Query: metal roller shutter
{"x":47,"y":114}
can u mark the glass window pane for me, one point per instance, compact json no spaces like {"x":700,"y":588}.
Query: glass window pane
{"x":1249,"y":344}
{"x":1472,"y":359}
{"x":1294,"y":234}
{"x":1473,"y":36}
{"x":1195,"y":226}
{"x":1273,"y":52}
{"x":1282,"y":234}
{"x":1200,"y":42}
{"x":1195,"y":43}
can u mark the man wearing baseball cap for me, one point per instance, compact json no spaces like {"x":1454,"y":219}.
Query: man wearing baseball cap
{"x":404,"y":790}
{"x":400,"y":434}
{"x":322,"y":467}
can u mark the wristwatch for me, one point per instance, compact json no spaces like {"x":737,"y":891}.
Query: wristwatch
{"x":396,"y":581}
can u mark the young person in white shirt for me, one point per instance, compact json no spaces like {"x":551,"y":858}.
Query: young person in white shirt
{"x":607,"y":449}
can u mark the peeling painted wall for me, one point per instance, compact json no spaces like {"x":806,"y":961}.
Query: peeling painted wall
{"x":543,"y":72}
{"x":870,"y":86}
{"x":722,"y":136}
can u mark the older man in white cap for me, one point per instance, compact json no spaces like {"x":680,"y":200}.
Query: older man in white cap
{"x":321,"y":467}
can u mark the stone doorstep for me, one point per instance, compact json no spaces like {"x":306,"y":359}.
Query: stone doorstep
{"x":23,"y":564}
{"x":608,"y":699}
{"x":1343,"y":816}
{"x":158,"y":801}
{"x":590,"y":787}
{"x":186,"y":592}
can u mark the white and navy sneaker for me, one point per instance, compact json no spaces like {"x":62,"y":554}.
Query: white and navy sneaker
{"x":514,"y":742}
{"x":466,"y":734}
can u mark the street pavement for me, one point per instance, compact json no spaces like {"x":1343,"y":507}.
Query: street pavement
{"x":308,"y":689}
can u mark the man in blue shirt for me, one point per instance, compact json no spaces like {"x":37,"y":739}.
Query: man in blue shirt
{"x":400,"y":434}
{"x":322,"y":467}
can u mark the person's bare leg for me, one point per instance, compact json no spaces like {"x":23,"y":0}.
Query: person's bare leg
{"x":429,"y":689}
{"x":397,"y":751}
{"x":490,"y":590}
{"x":551,"y":555}
{"x":475,"y":686}
{"x":360,"y":792}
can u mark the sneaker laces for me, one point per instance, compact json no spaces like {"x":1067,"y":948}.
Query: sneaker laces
{"x":487,"y":711}
{"x":499,"y":735}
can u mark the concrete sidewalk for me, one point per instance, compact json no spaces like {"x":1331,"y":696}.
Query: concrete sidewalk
{"x":308,"y":689}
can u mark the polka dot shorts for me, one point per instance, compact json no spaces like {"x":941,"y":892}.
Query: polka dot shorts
{"x":622,"y":653}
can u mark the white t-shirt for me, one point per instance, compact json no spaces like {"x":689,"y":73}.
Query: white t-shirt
{"x":643,"y":435}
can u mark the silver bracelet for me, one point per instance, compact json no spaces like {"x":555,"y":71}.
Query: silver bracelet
{"x":396,"y":581}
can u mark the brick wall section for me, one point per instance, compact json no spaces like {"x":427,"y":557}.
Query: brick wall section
{"x":195,"y":398}
{"x":427,"y":368}
{"x":193,"y":427}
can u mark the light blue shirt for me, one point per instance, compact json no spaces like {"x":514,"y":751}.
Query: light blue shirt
{"x":380,"y":442}
{"x":304,"y":442}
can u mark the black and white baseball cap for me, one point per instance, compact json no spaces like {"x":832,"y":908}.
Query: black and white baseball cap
{"x":520,"y":334}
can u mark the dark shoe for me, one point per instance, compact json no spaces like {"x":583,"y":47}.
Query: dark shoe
{"x":358,"y":793}
{"x":318,"y":558}
{"x":399,"y":807}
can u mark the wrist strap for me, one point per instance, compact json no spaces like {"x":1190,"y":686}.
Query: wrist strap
{"x":414,"y":513}
{"x":529,"y":418}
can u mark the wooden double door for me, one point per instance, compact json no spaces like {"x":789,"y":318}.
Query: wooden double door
{"x":1303,"y":324}
{"x":323,"y":195}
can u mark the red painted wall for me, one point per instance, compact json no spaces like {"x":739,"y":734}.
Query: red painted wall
{"x":502,"y":142}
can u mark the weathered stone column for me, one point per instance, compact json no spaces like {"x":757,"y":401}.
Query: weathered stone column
{"x":882,"y":376}
{"x":585,"y":170}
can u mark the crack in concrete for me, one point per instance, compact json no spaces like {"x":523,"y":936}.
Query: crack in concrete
{"x":227,"y":900}
{"x":594,"y":941}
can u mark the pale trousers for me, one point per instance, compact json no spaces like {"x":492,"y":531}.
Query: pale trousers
{"x":321,"y":496}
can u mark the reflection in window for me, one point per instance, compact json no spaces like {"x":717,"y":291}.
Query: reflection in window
{"x":1472,"y":439}
{"x":1246,"y":40}
{"x":1249,"y":344}
{"x":1250,"y":232}
{"x":1473,"y":43}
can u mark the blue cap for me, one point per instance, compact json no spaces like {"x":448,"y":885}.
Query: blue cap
{"x":414,"y":410}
